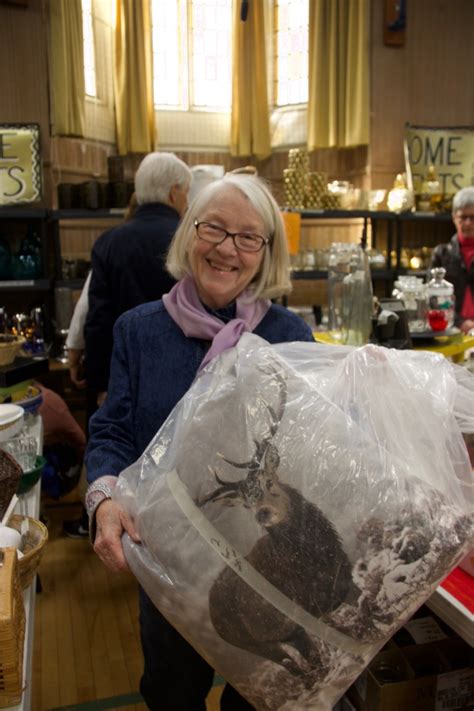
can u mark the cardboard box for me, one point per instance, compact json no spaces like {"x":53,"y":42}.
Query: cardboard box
{"x":436,"y":676}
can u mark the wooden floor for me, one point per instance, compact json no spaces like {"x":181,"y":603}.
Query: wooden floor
{"x":86,"y":645}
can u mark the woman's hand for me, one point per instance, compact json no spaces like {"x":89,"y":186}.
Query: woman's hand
{"x":467,"y":326}
{"x":111,"y":522}
{"x":76,"y":367}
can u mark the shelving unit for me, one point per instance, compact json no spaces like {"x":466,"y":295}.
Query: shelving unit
{"x":390,"y":218}
{"x":55,"y":218}
{"x":21,"y":295}
{"x":14,"y":221}
{"x":396,"y":225}
{"x":50,"y":222}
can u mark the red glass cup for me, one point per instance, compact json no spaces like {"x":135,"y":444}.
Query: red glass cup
{"x":437,"y":320}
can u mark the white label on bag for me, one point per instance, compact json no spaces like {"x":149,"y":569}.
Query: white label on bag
{"x":455,"y":690}
{"x":425,"y":629}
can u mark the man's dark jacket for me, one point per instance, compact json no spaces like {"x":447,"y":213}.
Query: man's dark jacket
{"x":127,"y":270}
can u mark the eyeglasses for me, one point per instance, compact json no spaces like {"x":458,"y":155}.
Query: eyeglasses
{"x":464,"y":218}
{"x":243,"y":241}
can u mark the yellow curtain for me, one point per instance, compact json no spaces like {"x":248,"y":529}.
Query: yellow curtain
{"x":67,"y":68}
{"x":133,"y":77}
{"x":338,"y":104}
{"x":250,"y":124}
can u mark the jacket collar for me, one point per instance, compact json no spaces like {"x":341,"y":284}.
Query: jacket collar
{"x":156,"y":208}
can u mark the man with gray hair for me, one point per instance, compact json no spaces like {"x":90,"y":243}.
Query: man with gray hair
{"x":128,"y":261}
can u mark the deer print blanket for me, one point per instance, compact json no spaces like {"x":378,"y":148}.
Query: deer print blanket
{"x":297,"y":507}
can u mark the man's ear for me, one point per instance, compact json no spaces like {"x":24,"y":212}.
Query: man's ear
{"x":173,"y":194}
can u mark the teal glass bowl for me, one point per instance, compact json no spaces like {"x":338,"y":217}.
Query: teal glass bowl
{"x":29,"y":479}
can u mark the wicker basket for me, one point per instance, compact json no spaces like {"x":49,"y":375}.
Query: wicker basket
{"x":12,"y":631}
{"x":10,"y":475}
{"x":9,"y":348}
{"x":32,"y":547}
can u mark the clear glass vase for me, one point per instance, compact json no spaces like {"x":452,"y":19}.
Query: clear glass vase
{"x":350,"y":301}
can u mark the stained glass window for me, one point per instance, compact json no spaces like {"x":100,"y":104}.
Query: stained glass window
{"x":169,"y":53}
{"x":210,"y":35}
{"x":192,"y":53}
{"x":89,"y":53}
{"x":291,"y":51}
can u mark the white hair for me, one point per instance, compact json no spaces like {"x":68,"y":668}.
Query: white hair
{"x":463,"y":198}
{"x":157,"y":174}
{"x":273,"y":278}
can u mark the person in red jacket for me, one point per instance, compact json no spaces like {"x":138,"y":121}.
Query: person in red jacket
{"x":457,"y":257}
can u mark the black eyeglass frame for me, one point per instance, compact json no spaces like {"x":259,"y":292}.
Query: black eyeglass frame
{"x":233,"y":235}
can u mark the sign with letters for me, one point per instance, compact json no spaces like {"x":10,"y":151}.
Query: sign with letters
{"x":20,"y":164}
{"x":450,"y":150}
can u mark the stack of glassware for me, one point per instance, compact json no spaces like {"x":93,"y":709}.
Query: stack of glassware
{"x":429,"y":306}
{"x":23,"y":448}
{"x":412,"y":291}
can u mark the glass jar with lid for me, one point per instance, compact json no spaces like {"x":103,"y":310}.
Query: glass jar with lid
{"x":440,"y":301}
{"x":412,"y":291}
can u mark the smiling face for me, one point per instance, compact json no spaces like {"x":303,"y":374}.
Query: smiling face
{"x":220,"y":270}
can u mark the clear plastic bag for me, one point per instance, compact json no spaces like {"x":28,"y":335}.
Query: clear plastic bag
{"x":298,"y":505}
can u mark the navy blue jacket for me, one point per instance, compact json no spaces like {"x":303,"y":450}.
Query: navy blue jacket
{"x":153,"y":366}
{"x":127,"y":270}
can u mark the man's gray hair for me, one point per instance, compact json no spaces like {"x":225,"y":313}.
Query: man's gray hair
{"x":156,"y":175}
{"x":463,"y":198}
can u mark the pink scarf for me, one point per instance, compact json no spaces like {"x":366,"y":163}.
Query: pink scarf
{"x":186,"y":309}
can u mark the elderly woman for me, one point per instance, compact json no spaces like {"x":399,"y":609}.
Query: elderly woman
{"x":457,"y":257}
{"x":230,"y":256}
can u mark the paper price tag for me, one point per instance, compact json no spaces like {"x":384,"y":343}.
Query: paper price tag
{"x":455,"y":690}
{"x":425,"y":629}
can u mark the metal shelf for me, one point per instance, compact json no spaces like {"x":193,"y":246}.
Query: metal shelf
{"x":428,"y":216}
{"x":18,"y":213}
{"x":315,"y":274}
{"x":80,"y":214}
{"x":70,"y":283}
{"x":25,"y":285}
{"x":346,"y":214}
{"x":375,"y":215}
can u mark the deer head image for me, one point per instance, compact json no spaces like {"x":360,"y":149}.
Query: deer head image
{"x":300,"y":554}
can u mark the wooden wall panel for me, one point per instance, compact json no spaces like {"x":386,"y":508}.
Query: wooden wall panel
{"x":427,"y":81}
{"x":349,"y":164}
{"x":24,"y":73}
{"x":76,"y":160}
{"x":78,"y":236}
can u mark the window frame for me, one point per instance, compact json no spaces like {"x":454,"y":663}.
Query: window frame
{"x":187,"y":90}
{"x":89,"y":12}
{"x":301,"y":105}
